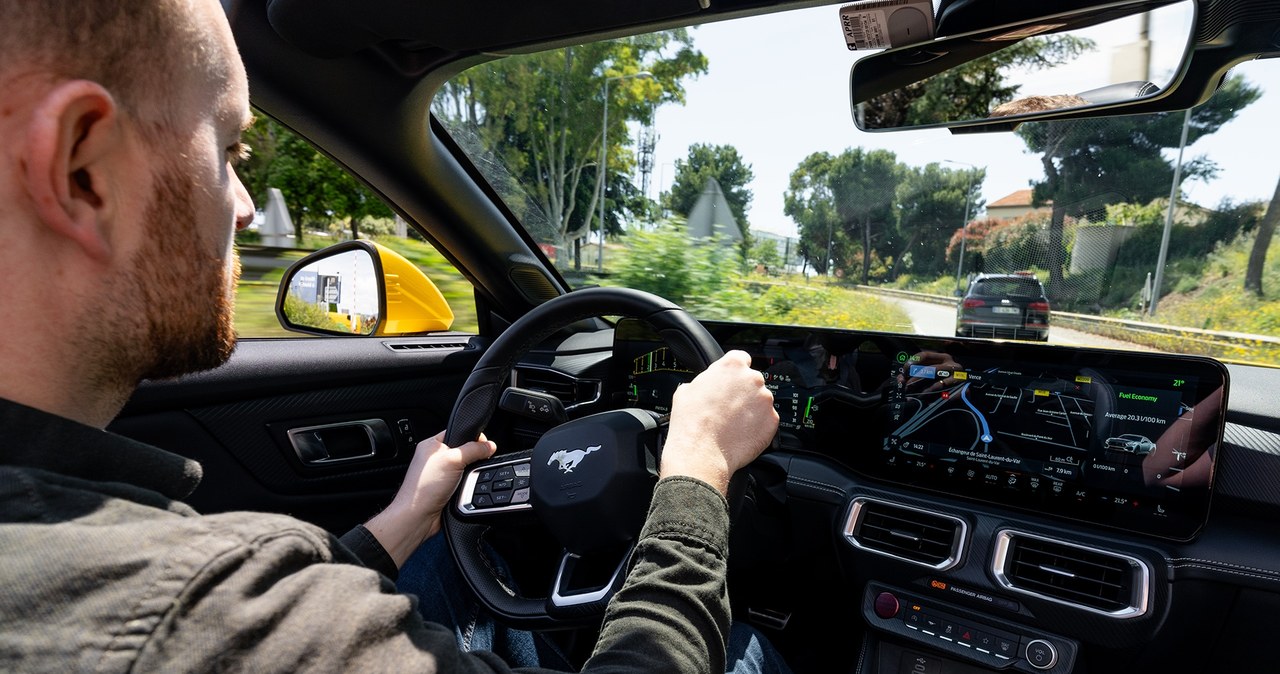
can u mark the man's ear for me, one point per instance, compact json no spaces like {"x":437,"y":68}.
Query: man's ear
{"x":70,"y":141}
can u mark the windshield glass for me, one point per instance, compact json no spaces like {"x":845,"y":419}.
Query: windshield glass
{"x":736,"y":184}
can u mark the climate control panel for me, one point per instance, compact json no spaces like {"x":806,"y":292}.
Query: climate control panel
{"x":978,"y":639}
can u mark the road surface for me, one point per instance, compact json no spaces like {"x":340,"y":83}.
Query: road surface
{"x":940,"y":320}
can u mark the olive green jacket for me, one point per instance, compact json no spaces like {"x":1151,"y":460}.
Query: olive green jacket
{"x":104,"y":569}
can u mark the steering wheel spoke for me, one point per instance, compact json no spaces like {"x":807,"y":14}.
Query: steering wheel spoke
{"x":585,"y":584}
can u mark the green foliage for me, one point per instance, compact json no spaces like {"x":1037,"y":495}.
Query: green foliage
{"x":764,"y":253}
{"x":842,"y":203}
{"x":867,"y":202}
{"x":307,"y":314}
{"x":317,"y":191}
{"x":700,"y":276}
{"x":929,"y":201}
{"x":721,"y":162}
{"x":538,"y":118}
{"x":1091,"y":163}
{"x":665,"y":262}
{"x":821,"y":304}
{"x":1015,"y":246}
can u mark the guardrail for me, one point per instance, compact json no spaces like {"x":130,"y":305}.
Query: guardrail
{"x":1216,"y":343}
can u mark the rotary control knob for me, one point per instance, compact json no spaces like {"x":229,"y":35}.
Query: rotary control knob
{"x":1041,"y":654}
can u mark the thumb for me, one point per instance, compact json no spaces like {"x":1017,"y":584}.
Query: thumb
{"x":476,"y":450}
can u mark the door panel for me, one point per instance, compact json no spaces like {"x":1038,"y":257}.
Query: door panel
{"x":235,"y":420}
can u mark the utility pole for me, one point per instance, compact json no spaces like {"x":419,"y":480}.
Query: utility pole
{"x":1168,"y":218}
{"x":964,"y":227}
{"x":604,"y":157}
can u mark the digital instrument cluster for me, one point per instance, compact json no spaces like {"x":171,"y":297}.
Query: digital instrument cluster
{"x":1113,"y":438}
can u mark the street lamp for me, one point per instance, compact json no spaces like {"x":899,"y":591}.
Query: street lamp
{"x":604,"y":157}
{"x":964,"y":229}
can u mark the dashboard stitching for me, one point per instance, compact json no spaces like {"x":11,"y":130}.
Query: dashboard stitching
{"x":1207,"y":567}
{"x":821,"y":486}
{"x":1174,"y":561}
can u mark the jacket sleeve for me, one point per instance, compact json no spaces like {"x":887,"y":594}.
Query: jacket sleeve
{"x":672,"y":614}
{"x":365,"y":546}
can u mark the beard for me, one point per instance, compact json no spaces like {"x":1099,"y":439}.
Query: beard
{"x":178,"y":297}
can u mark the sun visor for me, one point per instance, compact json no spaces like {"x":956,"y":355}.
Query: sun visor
{"x":332,"y":28}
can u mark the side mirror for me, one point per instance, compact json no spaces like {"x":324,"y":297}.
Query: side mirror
{"x":1109,"y":57}
{"x":359,"y":288}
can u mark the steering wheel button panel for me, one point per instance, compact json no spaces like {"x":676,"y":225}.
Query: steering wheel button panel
{"x":495,"y":488}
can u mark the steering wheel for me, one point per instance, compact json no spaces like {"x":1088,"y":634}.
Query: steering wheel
{"x":588,"y":480}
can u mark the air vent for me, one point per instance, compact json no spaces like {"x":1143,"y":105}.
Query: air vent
{"x":424,"y":346}
{"x":1096,"y":580}
{"x":918,"y":536}
{"x":569,"y":389}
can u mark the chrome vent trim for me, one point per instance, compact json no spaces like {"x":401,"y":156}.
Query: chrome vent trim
{"x":571,"y":390}
{"x":858,"y":526}
{"x":1136,"y":604}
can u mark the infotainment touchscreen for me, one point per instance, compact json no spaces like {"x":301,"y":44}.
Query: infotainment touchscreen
{"x":1120,"y":439}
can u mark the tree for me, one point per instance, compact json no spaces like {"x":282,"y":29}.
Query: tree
{"x":1090,"y":163}
{"x":1258,"y":254}
{"x":540,"y":116}
{"x":847,"y":199}
{"x":764,"y":253}
{"x":721,"y":162}
{"x":316,"y":189}
{"x":931,"y":199}
{"x":810,"y":203}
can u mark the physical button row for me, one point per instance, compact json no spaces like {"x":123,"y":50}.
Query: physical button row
{"x":506,"y":485}
{"x":999,"y":645}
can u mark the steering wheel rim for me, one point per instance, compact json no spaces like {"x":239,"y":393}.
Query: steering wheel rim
{"x":479,"y":399}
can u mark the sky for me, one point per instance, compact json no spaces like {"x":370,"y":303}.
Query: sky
{"x":775,"y":112}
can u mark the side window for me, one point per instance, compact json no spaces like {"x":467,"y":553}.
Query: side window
{"x":306,"y":202}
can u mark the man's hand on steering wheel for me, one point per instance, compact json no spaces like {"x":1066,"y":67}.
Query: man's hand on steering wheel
{"x":429,"y":484}
{"x":720,"y":422}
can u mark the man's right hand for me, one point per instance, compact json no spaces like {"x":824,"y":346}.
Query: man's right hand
{"x":720,"y":422}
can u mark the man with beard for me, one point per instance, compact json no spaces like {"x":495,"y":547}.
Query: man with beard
{"x":121,"y":121}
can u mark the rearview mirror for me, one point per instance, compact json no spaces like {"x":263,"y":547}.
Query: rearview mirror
{"x":360,"y":288}
{"x":1105,"y":57}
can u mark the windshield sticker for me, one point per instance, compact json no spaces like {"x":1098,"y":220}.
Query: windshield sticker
{"x":880,"y":24}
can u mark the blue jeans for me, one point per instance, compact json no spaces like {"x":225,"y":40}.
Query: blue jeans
{"x":444,"y":598}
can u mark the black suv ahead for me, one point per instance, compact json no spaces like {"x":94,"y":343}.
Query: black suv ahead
{"x":1010,"y":306}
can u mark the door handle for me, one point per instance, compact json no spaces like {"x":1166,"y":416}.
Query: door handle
{"x":348,"y":441}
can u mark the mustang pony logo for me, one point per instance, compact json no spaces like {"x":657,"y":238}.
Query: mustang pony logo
{"x":569,"y":459}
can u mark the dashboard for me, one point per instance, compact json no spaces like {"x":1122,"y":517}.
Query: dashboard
{"x":1120,"y":440}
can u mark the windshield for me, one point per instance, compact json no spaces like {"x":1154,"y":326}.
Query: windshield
{"x":736,"y":184}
